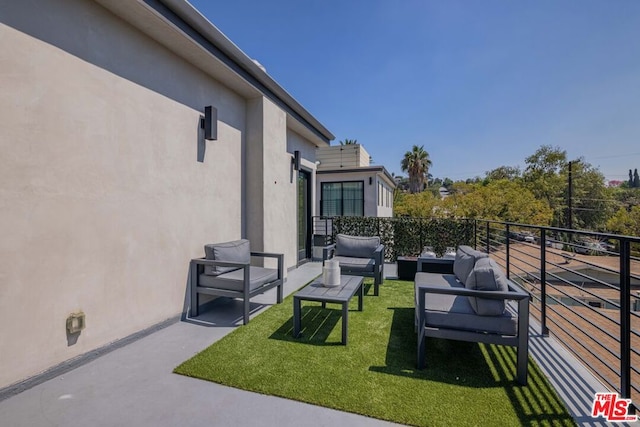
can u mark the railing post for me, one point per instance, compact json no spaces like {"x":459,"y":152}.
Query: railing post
{"x":508,"y":253}
{"x":421,"y":228}
{"x":543,"y":282}
{"x":475,"y":234}
{"x":625,"y":318}
{"x":488,"y":242}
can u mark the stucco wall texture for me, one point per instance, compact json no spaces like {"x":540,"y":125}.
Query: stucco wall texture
{"x":104,"y":194}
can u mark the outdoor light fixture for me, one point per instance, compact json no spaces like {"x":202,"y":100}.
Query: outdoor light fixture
{"x":210,"y":123}
{"x":296,"y":160}
{"x":76,"y":322}
{"x":370,"y":180}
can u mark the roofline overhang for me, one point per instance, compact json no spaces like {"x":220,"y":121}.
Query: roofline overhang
{"x":194,"y":26}
{"x":379,"y":170}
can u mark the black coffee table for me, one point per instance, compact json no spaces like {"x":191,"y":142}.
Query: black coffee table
{"x":341,"y":294}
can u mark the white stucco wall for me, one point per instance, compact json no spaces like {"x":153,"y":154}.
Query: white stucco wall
{"x":385,"y":206}
{"x":271,"y":181}
{"x":102,"y":198}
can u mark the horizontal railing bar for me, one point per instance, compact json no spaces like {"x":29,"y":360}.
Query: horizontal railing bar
{"x":523,"y":261}
{"x":569,"y":270}
{"x":607,"y":333}
{"x":563,"y":280}
{"x":515,"y":249}
{"x":572,"y":338}
{"x":566,"y":230}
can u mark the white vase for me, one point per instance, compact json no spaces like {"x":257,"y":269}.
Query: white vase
{"x":331,"y":273}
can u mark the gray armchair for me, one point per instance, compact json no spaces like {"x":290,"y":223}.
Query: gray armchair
{"x":226,"y":271}
{"x":358,"y":256}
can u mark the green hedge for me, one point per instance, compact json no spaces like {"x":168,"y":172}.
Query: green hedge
{"x":407,"y":236}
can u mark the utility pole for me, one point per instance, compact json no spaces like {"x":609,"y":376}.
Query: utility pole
{"x":570,"y":196}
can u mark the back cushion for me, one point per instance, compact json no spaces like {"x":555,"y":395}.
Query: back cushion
{"x":355,"y":246}
{"x":487,"y":276}
{"x":466,"y":258}
{"x":236,"y":251}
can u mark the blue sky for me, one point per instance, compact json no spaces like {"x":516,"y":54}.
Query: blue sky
{"x":480,"y":84}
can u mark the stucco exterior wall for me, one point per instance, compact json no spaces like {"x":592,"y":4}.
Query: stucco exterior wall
{"x":271,"y":180}
{"x":385,"y":201}
{"x":102,"y":198}
{"x":271,"y":203}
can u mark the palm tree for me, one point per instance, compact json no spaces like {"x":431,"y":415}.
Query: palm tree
{"x":416,"y":163}
{"x":349,"y":142}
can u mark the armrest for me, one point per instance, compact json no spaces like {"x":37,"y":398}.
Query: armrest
{"x":279,"y":257}
{"x":510,"y":295}
{"x":378,"y":254}
{"x":266,"y":254}
{"x":213,"y":262}
{"x":328,"y":251}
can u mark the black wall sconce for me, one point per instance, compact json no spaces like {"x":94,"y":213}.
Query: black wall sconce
{"x":370,"y":180}
{"x":296,"y":160}
{"x":210,"y":123}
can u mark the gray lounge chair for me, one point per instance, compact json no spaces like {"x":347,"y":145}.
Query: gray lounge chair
{"x":358,"y":256}
{"x":226,"y":271}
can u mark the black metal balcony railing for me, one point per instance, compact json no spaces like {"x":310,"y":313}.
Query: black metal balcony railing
{"x":584,"y":286}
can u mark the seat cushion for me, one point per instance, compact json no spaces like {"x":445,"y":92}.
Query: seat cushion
{"x":356,"y":246}
{"x":455,"y":312}
{"x":487,"y":276}
{"x":466,"y":258}
{"x":234,"y":280}
{"x":236,"y":251}
{"x":356,"y":265}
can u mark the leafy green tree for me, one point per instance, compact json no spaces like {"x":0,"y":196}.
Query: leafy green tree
{"x":501,"y":200}
{"x":543,"y":177}
{"x":546,"y":175}
{"x":502,"y":172}
{"x":592,"y":201}
{"x":625,"y":197}
{"x":416,"y":163}
{"x":419,"y":205}
{"x":625,"y":222}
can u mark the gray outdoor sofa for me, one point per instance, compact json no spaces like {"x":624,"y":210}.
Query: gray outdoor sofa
{"x":471,"y":304}
{"x":226,"y":271}
{"x":358,"y":256}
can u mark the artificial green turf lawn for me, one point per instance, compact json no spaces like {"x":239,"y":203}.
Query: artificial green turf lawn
{"x":375,"y":375}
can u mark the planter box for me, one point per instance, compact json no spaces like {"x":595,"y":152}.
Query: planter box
{"x":407,"y":266}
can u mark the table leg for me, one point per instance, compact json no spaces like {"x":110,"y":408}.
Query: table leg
{"x":296,"y":317}
{"x":345,"y":322}
{"x":360,"y":296}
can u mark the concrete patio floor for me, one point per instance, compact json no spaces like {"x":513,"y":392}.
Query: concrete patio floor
{"x":134,"y":384}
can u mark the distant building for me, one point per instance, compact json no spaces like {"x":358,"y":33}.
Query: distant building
{"x":347,"y":185}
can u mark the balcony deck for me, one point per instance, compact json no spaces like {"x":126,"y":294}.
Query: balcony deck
{"x":134,"y":384}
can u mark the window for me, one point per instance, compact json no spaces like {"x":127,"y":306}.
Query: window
{"x":342,"y":199}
